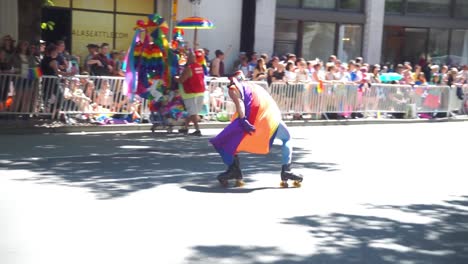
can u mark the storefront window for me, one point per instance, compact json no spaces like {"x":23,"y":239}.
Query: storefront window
{"x":461,"y":9}
{"x":286,"y":36}
{"x":135,"y":6}
{"x":349,"y":42}
{"x":104,"y":5}
{"x":318,"y":40}
{"x":393,"y":6}
{"x":354,"y":5}
{"x":286,"y":30}
{"x":429,"y":7}
{"x":459,"y":47}
{"x":392,"y":44}
{"x":323,"y":4}
{"x":124,"y":30}
{"x":438,"y":45}
{"x":91,"y":27}
{"x":62,"y":3}
{"x":288,"y":3}
{"x":414,"y":44}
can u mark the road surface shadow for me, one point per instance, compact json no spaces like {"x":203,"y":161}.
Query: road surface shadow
{"x":364,"y":239}
{"x":123,"y":164}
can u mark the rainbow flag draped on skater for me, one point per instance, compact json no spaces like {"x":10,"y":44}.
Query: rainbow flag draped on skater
{"x":262,"y":112}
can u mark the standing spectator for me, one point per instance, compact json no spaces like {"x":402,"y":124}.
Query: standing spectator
{"x":52,"y":94}
{"x":270,"y":70}
{"x":7,"y":50}
{"x":22,"y":61}
{"x":63,"y":56}
{"x":207,"y":55}
{"x":117,"y":58}
{"x":375,"y":74}
{"x":193,"y":91}
{"x":37,"y":51}
{"x":264,"y":56}
{"x":330,"y":75}
{"x":239,"y":60}
{"x":302,"y":74}
{"x":244,"y":67}
{"x":444,"y":74}
{"x":292,"y":57}
{"x":100,"y":64}
{"x":253,"y":60}
{"x":92,"y":52}
{"x":354,"y":75}
{"x":359,"y":60}
{"x":217,"y":65}
{"x":317,"y":74}
{"x":417,"y":71}
{"x":434,"y":72}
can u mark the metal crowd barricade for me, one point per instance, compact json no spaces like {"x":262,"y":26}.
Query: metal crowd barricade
{"x":92,"y":96}
{"x":18,"y":95}
{"x":458,"y":100}
{"x":431,"y":99}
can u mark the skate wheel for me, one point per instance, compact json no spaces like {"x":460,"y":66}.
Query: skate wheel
{"x":297,"y":184}
{"x":284,"y":184}
{"x":240,"y":183}
{"x":224,"y":184}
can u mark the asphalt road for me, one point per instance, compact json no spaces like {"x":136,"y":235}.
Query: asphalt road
{"x":372,"y":194}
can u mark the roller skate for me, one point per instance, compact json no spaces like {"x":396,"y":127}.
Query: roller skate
{"x":233,"y":172}
{"x":287,"y":174}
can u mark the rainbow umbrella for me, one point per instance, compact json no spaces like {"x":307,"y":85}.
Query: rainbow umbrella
{"x":195,"y":23}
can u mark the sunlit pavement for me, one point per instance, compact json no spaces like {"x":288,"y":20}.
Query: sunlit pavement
{"x":371,"y":194}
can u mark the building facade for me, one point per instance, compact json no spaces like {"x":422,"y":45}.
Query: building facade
{"x":381,"y":31}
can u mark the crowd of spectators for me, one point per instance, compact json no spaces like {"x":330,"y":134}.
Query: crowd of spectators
{"x":78,"y":92}
{"x":85,"y":95}
{"x":289,"y":68}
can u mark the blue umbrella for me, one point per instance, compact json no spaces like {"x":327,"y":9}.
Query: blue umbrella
{"x":390,"y":77}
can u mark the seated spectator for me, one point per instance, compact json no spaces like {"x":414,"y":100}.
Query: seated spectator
{"x":260,"y":72}
{"x":105,"y":97}
{"x":279,"y":75}
{"x":290,"y":72}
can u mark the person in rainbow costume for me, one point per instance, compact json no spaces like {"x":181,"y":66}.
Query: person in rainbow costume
{"x":256,"y":123}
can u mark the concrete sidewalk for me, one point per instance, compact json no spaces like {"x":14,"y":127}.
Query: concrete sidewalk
{"x":24,"y":127}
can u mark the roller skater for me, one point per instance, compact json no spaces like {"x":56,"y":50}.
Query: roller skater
{"x":256,"y":123}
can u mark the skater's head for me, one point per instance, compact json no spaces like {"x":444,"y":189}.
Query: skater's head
{"x":191,"y":58}
{"x":237,"y":78}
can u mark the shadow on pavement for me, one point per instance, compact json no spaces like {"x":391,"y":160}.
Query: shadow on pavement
{"x":113,"y":165}
{"x":362,"y":239}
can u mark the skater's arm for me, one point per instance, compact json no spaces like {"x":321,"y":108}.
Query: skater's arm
{"x":234,"y":94}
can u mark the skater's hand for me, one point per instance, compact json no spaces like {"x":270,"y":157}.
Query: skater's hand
{"x":245,"y":124}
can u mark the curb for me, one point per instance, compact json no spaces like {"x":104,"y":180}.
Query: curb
{"x":21,"y":130}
